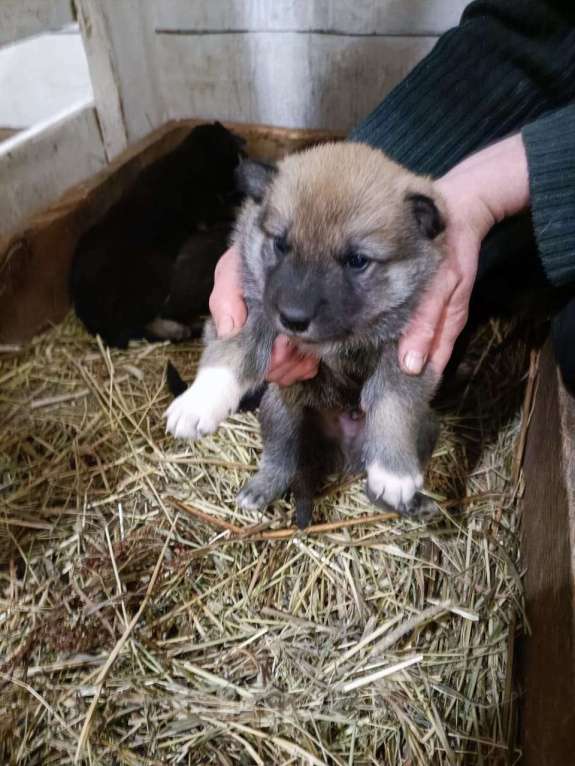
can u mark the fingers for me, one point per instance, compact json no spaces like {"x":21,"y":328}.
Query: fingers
{"x":227,"y":305}
{"x":288,"y":365}
{"x":451,"y":327}
{"x":420,"y":338}
{"x":442,"y":312}
{"x":305,"y":369}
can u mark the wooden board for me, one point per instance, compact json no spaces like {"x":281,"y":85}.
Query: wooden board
{"x":289,"y":79}
{"x":362,"y":17}
{"x":547,"y":657}
{"x":35,"y":261}
{"x":6,"y":133}
{"x":120,"y":45}
{"x":38,"y":165}
{"x":23,"y":18}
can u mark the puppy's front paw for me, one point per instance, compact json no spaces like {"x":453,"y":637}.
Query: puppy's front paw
{"x":395,"y":489}
{"x":213,"y":396}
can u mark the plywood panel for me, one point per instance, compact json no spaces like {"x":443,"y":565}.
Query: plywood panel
{"x":38,"y":165}
{"x":292,"y":80}
{"x":120,"y":45}
{"x":362,"y":17}
{"x":23,"y":18}
{"x":548,"y":654}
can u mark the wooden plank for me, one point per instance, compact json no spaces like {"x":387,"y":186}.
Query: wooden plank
{"x":547,"y":656}
{"x":24,"y":18}
{"x":362,"y":17}
{"x":35,"y":261}
{"x":292,"y":80}
{"x":38,"y":165}
{"x":6,"y":133}
{"x":120,"y":45}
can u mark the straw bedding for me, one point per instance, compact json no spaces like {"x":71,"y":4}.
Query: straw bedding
{"x":144,"y":619}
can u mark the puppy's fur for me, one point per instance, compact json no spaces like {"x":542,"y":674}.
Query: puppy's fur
{"x":337,"y":244}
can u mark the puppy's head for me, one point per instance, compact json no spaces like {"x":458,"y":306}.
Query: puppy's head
{"x":338,"y":240}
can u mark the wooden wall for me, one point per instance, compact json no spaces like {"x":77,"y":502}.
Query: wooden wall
{"x":291,"y":63}
{"x":315,"y":64}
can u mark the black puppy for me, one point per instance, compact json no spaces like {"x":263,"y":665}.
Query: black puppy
{"x":146,"y":269}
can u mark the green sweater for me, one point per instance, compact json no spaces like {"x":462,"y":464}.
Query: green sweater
{"x":508,"y":66}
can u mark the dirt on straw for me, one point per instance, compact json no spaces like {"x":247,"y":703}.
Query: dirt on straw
{"x":145,"y":619}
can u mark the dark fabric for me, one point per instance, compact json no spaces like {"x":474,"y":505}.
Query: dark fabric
{"x":550,"y":146}
{"x":508,"y":63}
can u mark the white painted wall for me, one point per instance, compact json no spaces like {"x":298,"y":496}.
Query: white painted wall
{"x":289,"y":79}
{"x":41,"y":76}
{"x":23,"y":18}
{"x":298,"y":63}
{"x":293,"y":63}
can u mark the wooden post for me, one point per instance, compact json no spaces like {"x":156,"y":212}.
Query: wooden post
{"x":548,"y":525}
{"x":119,"y":38}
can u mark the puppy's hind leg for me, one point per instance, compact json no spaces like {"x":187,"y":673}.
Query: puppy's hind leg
{"x":297,"y":455}
{"x":318,"y":456}
{"x":280,"y":428}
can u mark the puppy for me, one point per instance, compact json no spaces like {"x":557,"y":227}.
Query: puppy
{"x":145,"y":269}
{"x":337,"y":244}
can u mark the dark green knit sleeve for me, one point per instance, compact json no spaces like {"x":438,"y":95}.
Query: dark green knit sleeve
{"x":508,"y":62}
{"x":550,"y":146}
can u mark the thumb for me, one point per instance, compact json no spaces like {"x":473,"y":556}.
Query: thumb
{"x":227,"y":305}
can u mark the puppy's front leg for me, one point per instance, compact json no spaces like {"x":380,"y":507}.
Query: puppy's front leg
{"x":229,"y":368}
{"x":401,"y":431}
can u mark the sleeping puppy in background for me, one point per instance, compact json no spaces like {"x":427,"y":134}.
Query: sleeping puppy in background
{"x":337,"y":244}
{"x":145,"y":269}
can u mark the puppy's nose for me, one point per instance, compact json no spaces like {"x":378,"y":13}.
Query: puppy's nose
{"x":295,"y":319}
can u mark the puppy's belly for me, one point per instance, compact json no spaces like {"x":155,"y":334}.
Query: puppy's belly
{"x":347,"y":428}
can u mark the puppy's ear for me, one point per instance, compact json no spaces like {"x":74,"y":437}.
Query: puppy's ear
{"x":253,"y":178}
{"x":427,"y":216}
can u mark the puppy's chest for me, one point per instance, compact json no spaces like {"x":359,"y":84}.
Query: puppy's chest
{"x":338,"y":384}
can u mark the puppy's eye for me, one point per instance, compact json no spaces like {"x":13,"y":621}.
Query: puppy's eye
{"x":355,"y":261}
{"x":280,"y":245}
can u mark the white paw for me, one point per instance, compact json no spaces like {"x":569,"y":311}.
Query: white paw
{"x":395,"y":489}
{"x":213,"y":396}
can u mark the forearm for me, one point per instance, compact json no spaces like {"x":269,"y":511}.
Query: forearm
{"x":489,"y":185}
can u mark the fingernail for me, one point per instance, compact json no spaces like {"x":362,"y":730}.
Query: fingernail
{"x":413,"y":362}
{"x":225,"y":326}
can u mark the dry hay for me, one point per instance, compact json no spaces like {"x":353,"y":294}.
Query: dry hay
{"x":133,"y":632}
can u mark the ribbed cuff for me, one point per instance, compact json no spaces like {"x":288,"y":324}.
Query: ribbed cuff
{"x":550,"y":146}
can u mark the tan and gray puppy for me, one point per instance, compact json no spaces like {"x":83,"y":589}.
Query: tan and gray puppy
{"x":337,"y":244}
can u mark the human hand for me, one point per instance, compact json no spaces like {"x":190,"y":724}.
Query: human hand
{"x":477,"y":193}
{"x":228,"y":309}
